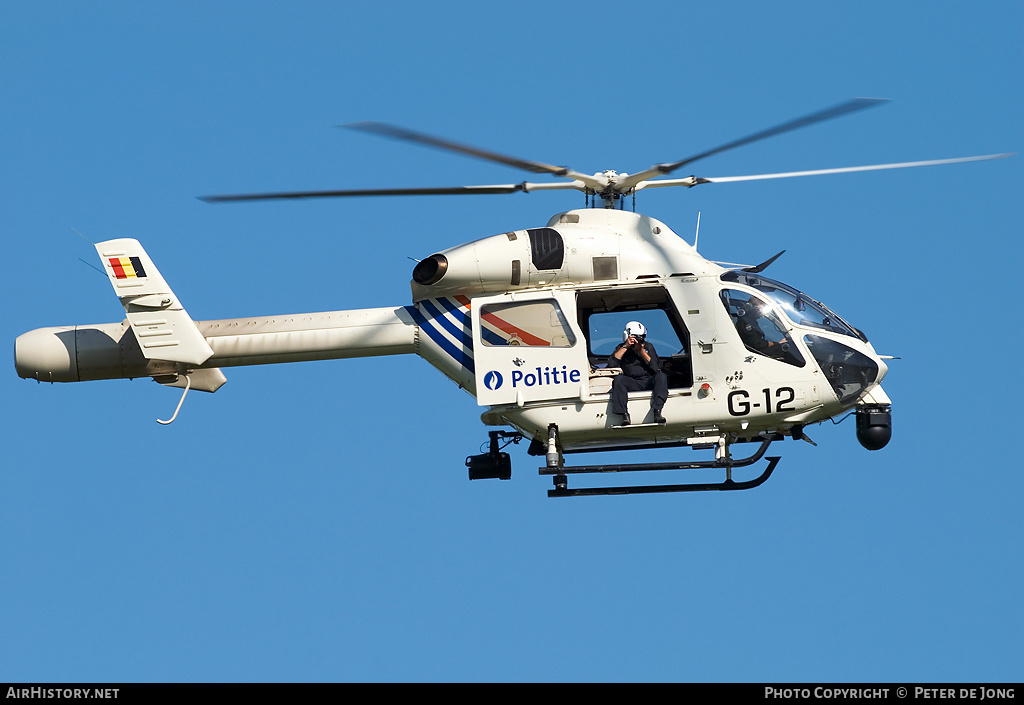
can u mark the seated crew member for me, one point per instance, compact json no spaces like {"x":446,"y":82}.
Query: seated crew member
{"x":748,"y":323}
{"x":641,"y":370}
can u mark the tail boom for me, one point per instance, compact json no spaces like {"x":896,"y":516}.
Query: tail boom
{"x":331,"y":335}
{"x":112,"y":350}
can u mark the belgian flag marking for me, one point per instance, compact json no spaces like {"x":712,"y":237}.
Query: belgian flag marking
{"x":127,"y":267}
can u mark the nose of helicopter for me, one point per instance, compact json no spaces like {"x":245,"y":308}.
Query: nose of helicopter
{"x":47,"y":355}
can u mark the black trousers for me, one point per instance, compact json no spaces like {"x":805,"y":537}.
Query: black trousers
{"x":622,"y":385}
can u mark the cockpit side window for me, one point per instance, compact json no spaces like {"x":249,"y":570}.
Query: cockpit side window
{"x":797,"y":306}
{"x":849,"y":372}
{"x":760,"y":328}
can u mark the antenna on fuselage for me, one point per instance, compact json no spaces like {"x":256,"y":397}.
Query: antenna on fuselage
{"x":696,"y":234}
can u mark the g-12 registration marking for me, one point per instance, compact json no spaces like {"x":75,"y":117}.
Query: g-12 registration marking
{"x":740,"y":405}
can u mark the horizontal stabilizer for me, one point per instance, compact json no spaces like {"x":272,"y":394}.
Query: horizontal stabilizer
{"x":161,"y":325}
{"x":207,"y":380}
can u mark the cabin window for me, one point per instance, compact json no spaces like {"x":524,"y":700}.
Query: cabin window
{"x":760,"y":328}
{"x":606,"y":268}
{"x":606,"y":331}
{"x":530,"y":323}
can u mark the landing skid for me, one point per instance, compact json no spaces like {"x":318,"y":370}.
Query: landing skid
{"x":726,"y":463}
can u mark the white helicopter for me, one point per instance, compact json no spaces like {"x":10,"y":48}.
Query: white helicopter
{"x":527,"y":321}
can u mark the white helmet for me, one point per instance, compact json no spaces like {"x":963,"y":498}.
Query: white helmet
{"x":633,"y":328}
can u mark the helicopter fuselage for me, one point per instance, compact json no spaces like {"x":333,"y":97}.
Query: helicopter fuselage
{"x":526,"y":320}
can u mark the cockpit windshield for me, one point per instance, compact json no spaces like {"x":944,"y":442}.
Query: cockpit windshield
{"x":797,"y":306}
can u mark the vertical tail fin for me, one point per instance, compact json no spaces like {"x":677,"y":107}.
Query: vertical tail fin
{"x":161,"y":325}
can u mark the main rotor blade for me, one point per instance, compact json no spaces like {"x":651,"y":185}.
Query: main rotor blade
{"x":696,"y":180}
{"x":431,"y":191}
{"x":835,"y":111}
{"x":441,"y":191}
{"x":401,"y":133}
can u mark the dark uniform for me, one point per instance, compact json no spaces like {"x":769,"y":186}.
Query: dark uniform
{"x":638,"y":376}
{"x":749,"y":326}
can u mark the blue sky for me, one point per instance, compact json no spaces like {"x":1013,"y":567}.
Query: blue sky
{"x":314,"y":522}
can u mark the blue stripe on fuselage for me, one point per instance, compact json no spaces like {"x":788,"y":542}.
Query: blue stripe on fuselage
{"x":461,"y":355}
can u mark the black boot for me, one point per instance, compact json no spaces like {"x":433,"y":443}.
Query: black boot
{"x":658,"y":418}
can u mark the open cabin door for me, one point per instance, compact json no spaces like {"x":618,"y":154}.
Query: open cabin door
{"x":528,"y":347}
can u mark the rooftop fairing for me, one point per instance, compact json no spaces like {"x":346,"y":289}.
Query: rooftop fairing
{"x":584,"y":246}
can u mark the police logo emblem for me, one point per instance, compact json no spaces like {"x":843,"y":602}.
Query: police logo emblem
{"x":493,"y":380}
